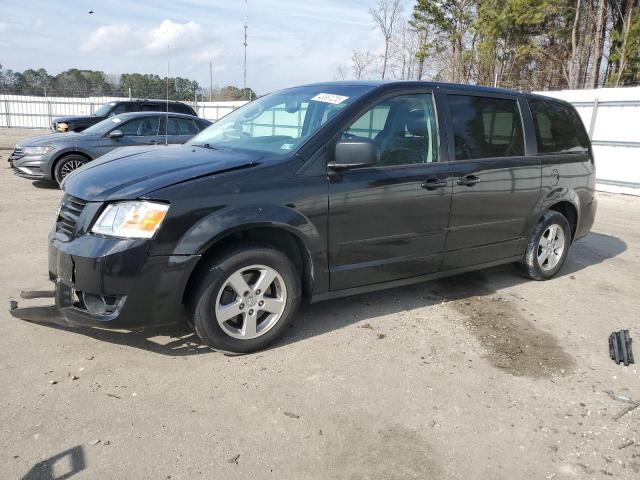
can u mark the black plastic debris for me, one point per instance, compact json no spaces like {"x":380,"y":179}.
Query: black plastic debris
{"x":620,"y":347}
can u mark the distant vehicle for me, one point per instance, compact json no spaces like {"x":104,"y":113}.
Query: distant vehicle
{"x":54,"y":156}
{"x":375,"y":185}
{"x":80,"y":122}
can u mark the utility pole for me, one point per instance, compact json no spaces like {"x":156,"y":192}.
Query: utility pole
{"x":210,"y":80}
{"x":244,"y":82}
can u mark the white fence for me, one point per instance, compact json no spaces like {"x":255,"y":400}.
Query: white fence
{"x":37,"y":112}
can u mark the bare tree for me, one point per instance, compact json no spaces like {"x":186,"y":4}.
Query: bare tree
{"x":341,"y":72}
{"x":599,"y":40}
{"x":362,"y":63}
{"x":404,"y":52}
{"x":386,"y":15}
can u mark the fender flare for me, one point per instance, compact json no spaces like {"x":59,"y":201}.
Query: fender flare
{"x":218,"y":224}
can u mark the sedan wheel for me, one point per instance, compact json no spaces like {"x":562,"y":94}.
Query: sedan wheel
{"x":69,"y":167}
{"x":66,"y":165}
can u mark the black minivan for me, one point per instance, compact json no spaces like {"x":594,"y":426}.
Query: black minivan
{"x":317,"y":192}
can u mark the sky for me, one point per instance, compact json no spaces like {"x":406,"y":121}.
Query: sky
{"x":290,"y":42}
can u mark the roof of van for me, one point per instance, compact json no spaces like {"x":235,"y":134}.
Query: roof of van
{"x":415,"y":83}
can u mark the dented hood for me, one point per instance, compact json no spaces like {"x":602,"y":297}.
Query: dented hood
{"x":132,"y":172}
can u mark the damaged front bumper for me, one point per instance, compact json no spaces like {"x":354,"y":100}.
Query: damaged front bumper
{"x":110,"y":283}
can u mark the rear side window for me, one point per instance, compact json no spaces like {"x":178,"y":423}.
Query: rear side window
{"x":149,"y":107}
{"x":179,"y":126}
{"x":485,"y":127}
{"x":558,"y":128}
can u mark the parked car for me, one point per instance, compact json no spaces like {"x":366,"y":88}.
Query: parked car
{"x":369,"y":186}
{"x":53,"y":157}
{"x":78,"y":123}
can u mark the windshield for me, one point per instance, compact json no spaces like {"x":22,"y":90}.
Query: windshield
{"x":104,"y":126}
{"x":104,"y":109}
{"x":279,"y":122}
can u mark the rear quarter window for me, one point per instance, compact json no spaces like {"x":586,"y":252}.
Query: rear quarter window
{"x":558,"y":128}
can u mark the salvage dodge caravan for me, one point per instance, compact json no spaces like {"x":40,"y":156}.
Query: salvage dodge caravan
{"x":317,"y":192}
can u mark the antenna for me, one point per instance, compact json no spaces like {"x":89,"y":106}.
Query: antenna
{"x":166,"y":119}
{"x":244,"y":82}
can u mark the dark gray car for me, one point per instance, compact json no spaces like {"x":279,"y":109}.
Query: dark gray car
{"x":53,"y":157}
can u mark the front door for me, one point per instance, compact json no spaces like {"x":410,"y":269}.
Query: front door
{"x":388,"y":222}
{"x":495,"y":184}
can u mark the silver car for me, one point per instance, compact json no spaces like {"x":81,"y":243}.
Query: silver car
{"x":53,"y":157}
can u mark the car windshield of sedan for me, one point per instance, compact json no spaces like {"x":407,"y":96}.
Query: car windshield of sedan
{"x":279,"y":122}
{"x":104,"y":126}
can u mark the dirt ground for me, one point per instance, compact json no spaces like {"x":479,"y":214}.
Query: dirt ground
{"x":480,"y":376}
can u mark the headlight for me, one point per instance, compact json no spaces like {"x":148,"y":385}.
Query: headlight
{"x":37,"y":150}
{"x":136,"y":219}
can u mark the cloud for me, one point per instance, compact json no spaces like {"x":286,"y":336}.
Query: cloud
{"x":4,"y":27}
{"x":178,"y":36}
{"x":108,"y":38}
{"x":206,"y":54}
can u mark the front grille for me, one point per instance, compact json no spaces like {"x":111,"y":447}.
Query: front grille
{"x":70,"y":210}
{"x":16,"y":154}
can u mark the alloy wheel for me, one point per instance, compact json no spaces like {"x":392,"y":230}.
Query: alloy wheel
{"x":69,"y":167}
{"x":551,"y":247}
{"x":250,"y":302}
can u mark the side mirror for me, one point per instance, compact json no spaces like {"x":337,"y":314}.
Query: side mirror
{"x":116,"y":134}
{"x":355,"y":153}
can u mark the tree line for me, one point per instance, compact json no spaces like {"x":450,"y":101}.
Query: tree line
{"x":523,"y":44}
{"x":75,"y":82}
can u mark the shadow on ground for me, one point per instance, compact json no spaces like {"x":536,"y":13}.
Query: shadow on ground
{"x":472,"y":294}
{"x":45,"y":184}
{"x":59,"y":467}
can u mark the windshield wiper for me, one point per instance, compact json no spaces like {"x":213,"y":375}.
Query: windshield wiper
{"x":204,"y":145}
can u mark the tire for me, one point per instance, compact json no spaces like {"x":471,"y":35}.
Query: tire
{"x":66,"y":165}
{"x":538,"y":266}
{"x":218,"y":286}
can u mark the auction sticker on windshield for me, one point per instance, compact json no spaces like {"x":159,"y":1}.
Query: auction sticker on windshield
{"x":329,"y":98}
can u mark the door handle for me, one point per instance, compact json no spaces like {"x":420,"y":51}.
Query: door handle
{"x":152,"y":142}
{"x":434,"y":183}
{"x":469,"y":180}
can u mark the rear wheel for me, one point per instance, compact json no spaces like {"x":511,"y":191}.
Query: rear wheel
{"x":244,"y":298}
{"x":66,"y":165}
{"x":547,"y":247}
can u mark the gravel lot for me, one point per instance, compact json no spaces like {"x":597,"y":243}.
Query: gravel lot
{"x":480,"y":376}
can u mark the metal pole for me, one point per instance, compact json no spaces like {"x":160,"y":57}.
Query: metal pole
{"x":7,"y":113}
{"x":244,"y":81}
{"x":594,"y":114}
{"x":166,"y":118}
{"x":210,"y":80}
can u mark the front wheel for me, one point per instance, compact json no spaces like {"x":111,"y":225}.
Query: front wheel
{"x":66,"y":165}
{"x":547,"y":247}
{"x":244,"y":298}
